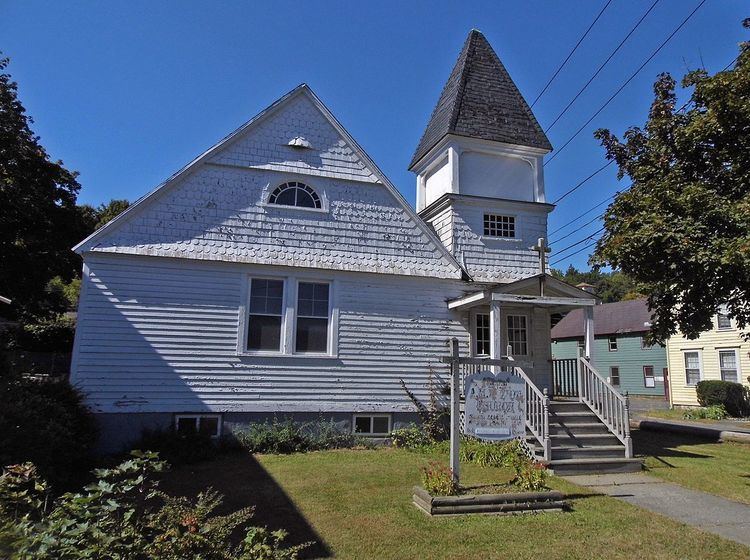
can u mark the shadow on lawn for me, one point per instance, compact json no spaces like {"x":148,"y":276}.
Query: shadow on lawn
{"x":662,"y":445}
{"x":244,"y":482}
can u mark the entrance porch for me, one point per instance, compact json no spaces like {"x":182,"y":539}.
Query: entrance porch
{"x":575,"y":420}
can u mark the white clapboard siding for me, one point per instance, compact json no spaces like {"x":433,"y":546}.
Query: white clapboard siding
{"x":161,"y":335}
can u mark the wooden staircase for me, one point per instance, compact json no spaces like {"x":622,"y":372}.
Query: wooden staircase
{"x":580,"y":443}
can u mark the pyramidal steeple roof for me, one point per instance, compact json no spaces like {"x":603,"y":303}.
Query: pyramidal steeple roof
{"x":480,"y":100}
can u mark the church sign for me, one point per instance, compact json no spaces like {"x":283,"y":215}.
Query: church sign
{"x":495,"y":406}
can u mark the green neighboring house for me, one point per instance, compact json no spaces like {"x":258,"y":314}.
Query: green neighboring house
{"x":620,"y":352}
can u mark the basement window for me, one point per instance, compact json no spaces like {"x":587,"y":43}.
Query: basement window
{"x":203,"y":424}
{"x":372,"y":424}
{"x":496,"y":225}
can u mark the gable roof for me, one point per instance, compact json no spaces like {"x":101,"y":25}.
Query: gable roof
{"x":442,"y":255}
{"x":610,"y":318}
{"x":480,"y":100}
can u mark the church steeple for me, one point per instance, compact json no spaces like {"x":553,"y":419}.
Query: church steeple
{"x":481,"y":101}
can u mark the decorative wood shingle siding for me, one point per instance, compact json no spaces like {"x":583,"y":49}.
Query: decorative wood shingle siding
{"x":161,"y":335}
{"x":496,"y":259}
{"x":267,"y":147}
{"x":442,"y":223}
{"x":630,"y":357}
{"x":708,"y":345}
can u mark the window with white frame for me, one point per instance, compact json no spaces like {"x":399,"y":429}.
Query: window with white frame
{"x":482,"y":334}
{"x":372,"y":424}
{"x":518,"y":335}
{"x":313,"y":311}
{"x":649,"y":381}
{"x":693,"y":367}
{"x":612,"y":344}
{"x":265,"y":314}
{"x":723,"y":321}
{"x":297,"y":194}
{"x":496,"y":225}
{"x":202,"y":424}
{"x":614,"y":376}
{"x":729,"y":365}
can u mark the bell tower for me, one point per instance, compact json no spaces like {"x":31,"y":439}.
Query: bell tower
{"x":480,"y":180}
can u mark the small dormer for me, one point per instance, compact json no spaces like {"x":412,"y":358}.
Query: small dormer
{"x":480,"y":159}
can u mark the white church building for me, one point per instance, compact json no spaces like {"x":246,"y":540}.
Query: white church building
{"x":282,"y":274}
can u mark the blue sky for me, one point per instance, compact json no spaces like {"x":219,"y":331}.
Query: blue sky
{"x":128,"y":92}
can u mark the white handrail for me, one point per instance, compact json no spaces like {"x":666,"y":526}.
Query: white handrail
{"x":612,"y":408}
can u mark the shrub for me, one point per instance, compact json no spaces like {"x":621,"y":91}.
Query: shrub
{"x":713,"y":412}
{"x":288,"y":436}
{"x":733,"y":396}
{"x":412,"y":437}
{"x":438,"y":480}
{"x":123,"y":515}
{"x":490,"y":454}
{"x":53,"y":335}
{"x":530,"y":476}
{"x":46,"y":424}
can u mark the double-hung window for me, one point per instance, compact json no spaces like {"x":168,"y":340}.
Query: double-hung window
{"x":612,"y":344}
{"x":265,"y":315}
{"x":313,"y":312}
{"x":692,"y":367}
{"x":649,"y":380}
{"x":723,"y":321}
{"x":729,"y":365}
{"x":518,"y":335}
{"x":614,"y":376}
{"x":482,"y":335}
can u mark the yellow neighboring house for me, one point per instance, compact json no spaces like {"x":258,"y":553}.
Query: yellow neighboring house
{"x":720,"y":353}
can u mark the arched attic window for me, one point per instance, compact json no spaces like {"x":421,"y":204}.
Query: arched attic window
{"x":295,"y":193}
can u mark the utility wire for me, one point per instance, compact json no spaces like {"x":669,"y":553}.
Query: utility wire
{"x":595,"y":218}
{"x":574,"y":253}
{"x":567,"y":58}
{"x":582,"y":240}
{"x":601,"y":67}
{"x":630,"y":79}
{"x":580,"y":184}
{"x":566,"y":224}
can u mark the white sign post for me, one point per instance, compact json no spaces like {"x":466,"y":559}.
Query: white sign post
{"x":495,"y":408}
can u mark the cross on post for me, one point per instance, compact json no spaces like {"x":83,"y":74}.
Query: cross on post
{"x":542,"y":249}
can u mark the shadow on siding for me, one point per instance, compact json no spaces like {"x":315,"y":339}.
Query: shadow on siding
{"x":244,"y":482}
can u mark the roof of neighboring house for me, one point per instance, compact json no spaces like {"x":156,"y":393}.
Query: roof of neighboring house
{"x":480,"y":100}
{"x":609,"y":318}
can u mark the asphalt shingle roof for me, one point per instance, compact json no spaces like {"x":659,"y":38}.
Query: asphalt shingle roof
{"x":480,"y":100}
{"x":609,"y":318}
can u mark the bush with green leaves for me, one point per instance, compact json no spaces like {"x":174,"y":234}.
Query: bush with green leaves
{"x":734,"y":397}
{"x":46,"y":424}
{"x":49,"y":335}
{"x":530,"y":476}
{"x":288,"y":436}
{"x":123,"y":516}
{"x":490,"y":454}
{"x":713,"y":412}
{"x":438,"y":480}
{"x":411,"y":437}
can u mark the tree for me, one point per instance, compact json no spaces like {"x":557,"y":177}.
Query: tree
{"x":682,"y":231}
{"x":39,"y":221}
{"x":609,"y":286}
{"x":97,"y":217}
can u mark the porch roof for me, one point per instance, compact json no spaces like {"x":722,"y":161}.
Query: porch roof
{"x":537,"y":290}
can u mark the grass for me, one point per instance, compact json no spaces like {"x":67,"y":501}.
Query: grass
{"x":677,"y":414}
{"x":718,"y":468}
{"x":357,"y":504}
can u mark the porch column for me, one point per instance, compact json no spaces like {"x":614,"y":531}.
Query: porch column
{"x":496,"y":343}
{"x":588,"y":332}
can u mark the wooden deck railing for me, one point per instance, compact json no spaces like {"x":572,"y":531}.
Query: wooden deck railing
{"x":606,"y":402}
{"x":565,"y":377}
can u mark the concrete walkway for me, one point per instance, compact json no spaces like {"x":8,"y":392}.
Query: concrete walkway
{"x":723,"y":517}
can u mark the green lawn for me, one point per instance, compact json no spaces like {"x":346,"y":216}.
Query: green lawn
{"x":357,"y":504}
{"x":677,"y":414}
{"x":719,"y":468}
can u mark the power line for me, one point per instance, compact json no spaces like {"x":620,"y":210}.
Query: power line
{"x":584,"y":213}
{"x":574,"y":253}
{"x":601,"y":67}
{"x":579,"y":185}
{"x":630,"y":79}
{"x":567,"y":58}
{"x":595,"y":218}
{"x":597,"y":232}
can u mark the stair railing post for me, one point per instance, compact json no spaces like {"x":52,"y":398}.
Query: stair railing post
{"x":545,"y":427}
{"x":626,"y":428}
{"x":579,"y":368}
{"x":455,"y":408}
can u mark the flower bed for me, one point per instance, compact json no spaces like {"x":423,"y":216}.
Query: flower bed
{"x":498,"y":504}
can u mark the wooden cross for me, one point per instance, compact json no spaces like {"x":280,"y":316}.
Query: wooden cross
{"x":542,"y":249}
